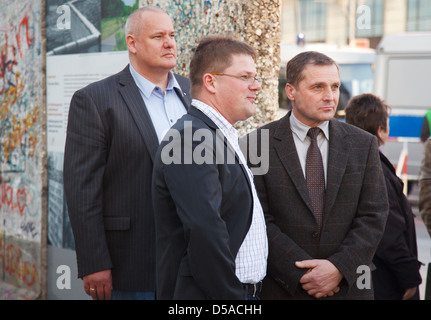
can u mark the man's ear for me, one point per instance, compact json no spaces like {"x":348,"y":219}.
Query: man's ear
{"x":131,"y":43}
{"x":290,"y":91}
{"x":209,"y":82}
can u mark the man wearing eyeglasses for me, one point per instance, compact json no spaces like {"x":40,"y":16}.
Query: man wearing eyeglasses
{"x":211,"y":235}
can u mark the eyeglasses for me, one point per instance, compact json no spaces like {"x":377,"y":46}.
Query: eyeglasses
{"x":248,"y":79}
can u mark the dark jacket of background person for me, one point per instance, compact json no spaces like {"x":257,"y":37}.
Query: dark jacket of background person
{"x":397,"y":269}
{"x":425,"y":186}
{"x":425,"y":202}
{"x":397,"y":266}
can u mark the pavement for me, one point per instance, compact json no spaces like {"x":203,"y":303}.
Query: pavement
{"x":424,"y":249}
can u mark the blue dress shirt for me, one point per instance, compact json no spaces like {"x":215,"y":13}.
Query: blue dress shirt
{"x":164,"y":108}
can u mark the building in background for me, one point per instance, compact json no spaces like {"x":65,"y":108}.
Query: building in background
{"x":339,"y":21}
{"x":399,"y":32}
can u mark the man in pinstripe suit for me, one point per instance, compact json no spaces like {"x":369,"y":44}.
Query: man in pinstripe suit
{"x":308,"y":259}
{"x":115,"y":126}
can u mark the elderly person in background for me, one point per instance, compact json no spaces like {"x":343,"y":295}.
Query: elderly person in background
{"x":397,"y":267}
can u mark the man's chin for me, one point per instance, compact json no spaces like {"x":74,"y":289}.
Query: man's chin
{"x":169,"y":64}
{"x":328,"y":115}
{"x":251,"y":111}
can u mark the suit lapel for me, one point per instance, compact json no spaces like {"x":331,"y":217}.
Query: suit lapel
{"x":339,"y":148}
{"x":219,"y":134}
{"x":288,"y":156}
{"x":185,"y":97}
{"x":131,"y":95}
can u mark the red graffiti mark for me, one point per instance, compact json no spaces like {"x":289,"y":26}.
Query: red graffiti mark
{"x":20,"y":201}
{"x":13,"y":264}
{"x":6,"y":65}
{"x":24,"y":23}
{"x":13,"y":100}
{"x":13,"y":200}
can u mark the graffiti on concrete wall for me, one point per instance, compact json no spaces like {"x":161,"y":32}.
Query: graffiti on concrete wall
{"x":21,"y":149}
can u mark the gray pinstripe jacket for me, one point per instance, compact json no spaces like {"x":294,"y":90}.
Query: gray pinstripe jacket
{"x":108,"y":164}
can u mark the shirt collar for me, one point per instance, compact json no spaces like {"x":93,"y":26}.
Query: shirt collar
{"x":225,"y":126}
{"x":301,"y":129}
{"x":147,"y":87}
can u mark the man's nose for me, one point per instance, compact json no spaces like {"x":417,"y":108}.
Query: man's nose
{"x":255,"y":85}
{"x":169,"y":42}
{"x":329,"y":94}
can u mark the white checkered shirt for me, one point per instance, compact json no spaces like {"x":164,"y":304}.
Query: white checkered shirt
{"x":252,"y":255}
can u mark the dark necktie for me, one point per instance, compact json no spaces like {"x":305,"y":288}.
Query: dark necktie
{"x":315,"y":176}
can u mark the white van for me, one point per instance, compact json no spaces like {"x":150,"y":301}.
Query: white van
{"x":402,"y":80}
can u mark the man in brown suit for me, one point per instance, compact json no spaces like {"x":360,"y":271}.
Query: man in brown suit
{"x":331,"y":258}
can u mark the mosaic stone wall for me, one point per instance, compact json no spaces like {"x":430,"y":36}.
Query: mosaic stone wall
{"x":22,"y":151}
{"x":256,"y":22}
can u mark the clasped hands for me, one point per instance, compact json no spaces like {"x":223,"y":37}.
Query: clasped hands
{"x":321,"y":279}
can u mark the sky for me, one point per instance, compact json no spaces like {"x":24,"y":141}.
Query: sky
{"x":129,"y":2}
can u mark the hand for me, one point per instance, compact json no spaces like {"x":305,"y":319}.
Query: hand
{"x":409,"y":293}
{"x":322,"y":278}
{"x":98,"y":285}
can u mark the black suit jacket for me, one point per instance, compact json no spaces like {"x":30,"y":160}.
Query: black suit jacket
{"x":356,"y":208}
{"x":203,"y":212}
{"x":108,"y":162}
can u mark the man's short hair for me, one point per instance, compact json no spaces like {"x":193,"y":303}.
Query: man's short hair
{"x":296,"y":65}
{"x":133,"y":22}
{"x":214,"y":54}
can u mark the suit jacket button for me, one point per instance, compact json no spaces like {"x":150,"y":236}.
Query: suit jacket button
{"x":315,"y":234}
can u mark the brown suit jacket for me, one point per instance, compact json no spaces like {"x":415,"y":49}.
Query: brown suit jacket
{"x":356,"y":209}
